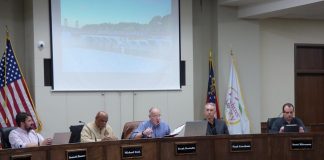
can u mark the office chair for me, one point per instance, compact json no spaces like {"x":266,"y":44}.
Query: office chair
{"x":128,"y":128}
{"x":75,"y":133}
{"x":5,"y":136}
{"x":271,"y":121}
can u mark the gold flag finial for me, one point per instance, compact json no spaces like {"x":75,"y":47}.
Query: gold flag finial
{"x":232,"y":54}
{"x":210,"y":53}
{"x":7,"y":31}
{"x":231,"y":49}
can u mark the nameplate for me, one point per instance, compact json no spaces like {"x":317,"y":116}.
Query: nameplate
{"x":21,"y":157}
{"x":77,"y":154}
{"x":183,"y":148}
{"x":301,"y":144}
{"x":131,"y":151}
{"x":241,"y":145}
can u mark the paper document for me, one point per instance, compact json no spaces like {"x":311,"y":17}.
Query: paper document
{"x":177,"y":130}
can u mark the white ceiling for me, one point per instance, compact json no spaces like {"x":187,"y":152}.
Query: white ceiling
{"x":262,"y":9}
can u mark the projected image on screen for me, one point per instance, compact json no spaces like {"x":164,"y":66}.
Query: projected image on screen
{"x":115,"y":44}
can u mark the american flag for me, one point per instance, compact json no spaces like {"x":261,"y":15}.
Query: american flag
{"x":211,"y":93}
{"x":14,"y":94}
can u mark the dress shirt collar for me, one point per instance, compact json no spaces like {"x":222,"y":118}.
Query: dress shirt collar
{"x":23,"y":131}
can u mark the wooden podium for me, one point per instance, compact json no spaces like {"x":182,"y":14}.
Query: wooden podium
{"x":243,"y":147}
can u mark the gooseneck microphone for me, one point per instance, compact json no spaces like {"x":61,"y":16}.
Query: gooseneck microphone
{"x":37,"y":138}
{"x":86,"y":125}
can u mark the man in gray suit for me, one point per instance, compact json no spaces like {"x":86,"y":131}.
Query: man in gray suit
{"x":214,"y":126}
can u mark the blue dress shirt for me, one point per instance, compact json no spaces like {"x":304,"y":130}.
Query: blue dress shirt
{"x":159,"y":130}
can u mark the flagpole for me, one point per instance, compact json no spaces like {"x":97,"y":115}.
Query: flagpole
{"x":5,"y":76}
{"x":210,"y":54}
{"x":232,"y":56}
{"x":213,"y":84}
{"x":39,"y":126}
{"x":22,"y":74}
{"x":7,"y":32}
{"x":239,"y":83}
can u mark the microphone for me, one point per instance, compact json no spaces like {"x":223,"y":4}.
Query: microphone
{"x":37,"y":138}
{"x":86,"y":125}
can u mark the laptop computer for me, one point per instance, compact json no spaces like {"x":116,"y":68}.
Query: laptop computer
{"x":61,"y":138}
{"x":195,"y":128}
{"x":291,"y":128}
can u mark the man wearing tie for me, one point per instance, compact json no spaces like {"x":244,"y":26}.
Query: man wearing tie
{"x":24,"y":136}
{"x":98,"y":130}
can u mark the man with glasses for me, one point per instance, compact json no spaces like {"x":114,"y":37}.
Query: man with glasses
{"x":152,"y":128}
{"x":288,"y":118}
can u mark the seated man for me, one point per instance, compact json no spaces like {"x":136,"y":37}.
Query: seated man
{"x":24,"y":136}
{"x":98,"y":130}
{"x":288,"y":113}
{"x":153,"y":128}
{"x":214,"y":126}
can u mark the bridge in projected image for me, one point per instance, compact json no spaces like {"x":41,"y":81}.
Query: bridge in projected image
{"x":135,"y":44}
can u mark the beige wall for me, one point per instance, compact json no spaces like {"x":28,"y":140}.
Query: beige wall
{"x":243,"y":38}
{"x":204,"y":31}
{"x":58,"y":110}
{"x":12,"y":16}
{"x":278,"y":37}
{"x":264,"y":51}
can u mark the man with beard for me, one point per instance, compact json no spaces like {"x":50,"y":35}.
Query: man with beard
{"x":24,"y":136}
{"x":153,"y":128}
{"x":288,"y":111}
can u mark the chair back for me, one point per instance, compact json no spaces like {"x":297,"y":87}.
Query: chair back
{"x":5,"y":136}
{"x":75,"y":133}
{"x":128,"y":128}
{"x":271,"y":121}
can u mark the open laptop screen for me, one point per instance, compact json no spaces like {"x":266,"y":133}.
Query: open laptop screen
{"x":195,"y":128}
{"x":61,"y":138}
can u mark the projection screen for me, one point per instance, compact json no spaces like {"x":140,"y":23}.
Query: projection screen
{"x":108,"y":45}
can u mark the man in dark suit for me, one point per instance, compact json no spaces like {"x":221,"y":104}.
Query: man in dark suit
{"x":214,"y":126}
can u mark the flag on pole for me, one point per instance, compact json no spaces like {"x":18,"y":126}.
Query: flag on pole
{"x":211,"y":93}
{"x":235,"y":111}
{"x":14,"y":93}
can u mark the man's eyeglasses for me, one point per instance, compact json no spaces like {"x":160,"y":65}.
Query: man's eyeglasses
{"x":156,"y":116}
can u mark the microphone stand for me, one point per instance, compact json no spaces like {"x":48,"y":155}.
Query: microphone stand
{"x":37,"y":138}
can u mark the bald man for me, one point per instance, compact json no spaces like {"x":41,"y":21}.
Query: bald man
{"x":152,"y":128}
{"x":98,"y":130}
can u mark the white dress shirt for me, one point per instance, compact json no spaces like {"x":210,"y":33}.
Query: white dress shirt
{"x":19,"y":138}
